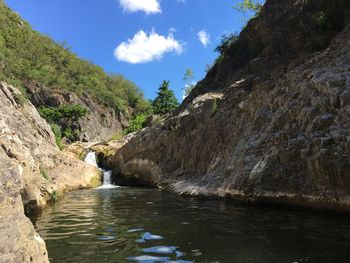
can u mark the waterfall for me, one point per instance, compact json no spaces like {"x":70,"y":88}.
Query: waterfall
{"x":107,"y":184}
{"x":107,"y":177}
{"x":91,"y":159}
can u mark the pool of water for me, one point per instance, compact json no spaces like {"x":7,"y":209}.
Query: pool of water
{"x":148,"y":225}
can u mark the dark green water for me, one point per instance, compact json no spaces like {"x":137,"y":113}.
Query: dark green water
{"x":147,"y":225}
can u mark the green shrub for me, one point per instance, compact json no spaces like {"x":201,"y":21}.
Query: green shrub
{"x":238,"y":50}
{"x":67,"y":117}
{"x":188,"y":89}
{"x":328,"y":15}
{"x":55,"y":196}
{"x":19,"y":98}
{"x":43,"y":172}
{"x":58,"y":135}
{"x":63,"y":114}
{"x":214,"y":107}
{"x":190,"y":84}
{"x":116,"y":137}
{"x":136,"y":124}
{"x":226,"y":42}
{"x":251,"y":6}
{"x":70,"y":134}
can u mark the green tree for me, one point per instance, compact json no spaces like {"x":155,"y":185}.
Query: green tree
{"x":189,"y":75}
{"x":166,"y":101}
{"x":226,"y":42}
{"x":189,"y":83}
{"x":248,"y":6}
{"x":188,"y":89}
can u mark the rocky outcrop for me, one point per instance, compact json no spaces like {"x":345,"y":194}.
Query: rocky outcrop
{"x":33,"y":171}
{"x":285,"y":33}
{"x":281,"y":138}
{"x":101,"y":122}
{"x":103,"y":150}
{"x":20,"y":242}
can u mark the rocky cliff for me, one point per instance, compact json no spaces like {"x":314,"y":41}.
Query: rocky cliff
{"x":33,"y":171}
{"x":101,"y":122}
{"x":270,"y":124}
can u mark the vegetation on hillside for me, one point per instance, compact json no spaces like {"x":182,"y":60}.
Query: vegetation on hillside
{"x":56,"y":129}
{"x":328,"y":15}
{"x":164,"y":103}
{"x":64,"y":120}
{"x":136,"y":124}
{"x":226,"y":43}
{"x":27,"y":56}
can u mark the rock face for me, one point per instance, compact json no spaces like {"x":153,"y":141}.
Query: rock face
{"x":103,"y":150}
{"x":285,"y":33}
{"x":32,"y":172}
{"x":20,"y":242}
{"x":279,"y":137}
{"x":100,"y":124}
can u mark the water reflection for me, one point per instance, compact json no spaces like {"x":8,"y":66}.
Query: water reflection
{"x":146,"y":225}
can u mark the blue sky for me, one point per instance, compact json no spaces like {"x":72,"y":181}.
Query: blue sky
{"x":147,"y":41}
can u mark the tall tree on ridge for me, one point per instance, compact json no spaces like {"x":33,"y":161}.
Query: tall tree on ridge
{"x":166,"y":101}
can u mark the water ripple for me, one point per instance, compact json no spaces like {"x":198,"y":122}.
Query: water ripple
{"x":126,"y":224}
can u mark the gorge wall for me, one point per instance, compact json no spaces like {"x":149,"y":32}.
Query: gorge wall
{"x":33,"y":171}
{"x":101,"y":122}
{"x":271,"y":125}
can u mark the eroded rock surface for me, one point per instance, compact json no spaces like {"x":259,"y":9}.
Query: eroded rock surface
{"x":32,"y":171}
{"x":104,"y":150}
{"x":283,"y":138}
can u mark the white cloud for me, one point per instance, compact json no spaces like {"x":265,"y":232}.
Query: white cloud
{"x":143,"y":47}
{"x":204,"y":37}
{"x":147,"y":6}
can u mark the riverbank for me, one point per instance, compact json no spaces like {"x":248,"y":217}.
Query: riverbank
{"x":34,"y":173}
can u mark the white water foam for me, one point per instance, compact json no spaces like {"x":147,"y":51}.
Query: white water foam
{"x":91,"y":159}
{"x":107,"y":181}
